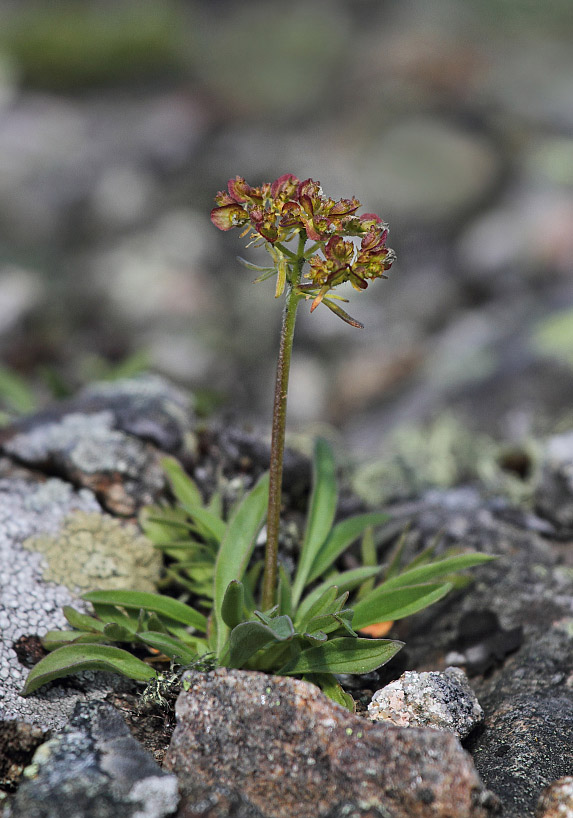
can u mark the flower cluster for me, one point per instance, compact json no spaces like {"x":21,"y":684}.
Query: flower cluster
{"x":274,"y":213}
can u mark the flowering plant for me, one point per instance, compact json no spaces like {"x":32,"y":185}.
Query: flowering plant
{"x":306,"y":624}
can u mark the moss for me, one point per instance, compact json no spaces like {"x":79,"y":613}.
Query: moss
{"x":93,"y":550}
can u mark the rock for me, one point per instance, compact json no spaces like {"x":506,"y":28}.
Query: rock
{"x":18,"y":741}
{"x":266,"y":746}
{"x":557,"y":800}
{"x":98,"y":440}
{"x":94,"y":769}
{"x":554,"y":493}
{"x":442,"y":701}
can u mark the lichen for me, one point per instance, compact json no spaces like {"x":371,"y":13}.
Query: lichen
{"x":93,"y":550}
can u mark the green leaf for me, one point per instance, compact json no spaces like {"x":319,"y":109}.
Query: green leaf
{"x":208,"y":523}
{"x":82,"y":622}
{"x":233,"y":603}
{"x":284,"y":592}
{"x":345,"y":581}
{"x":382,"y":605}
{"x":56,"y":639}
{"x":440,"y":568}
{"x":117,"y":633}
{"x":174,"y":648}
{"x":249,"y":637}
{"x":237,"y":546}
{"x":332,"y":688}
{"x":15,"y":392}
{"x":340,"y":538}
{"x":159,"y":603}
{"x":184,"y":488}
{"x":320,"y":517}
{"x":343,"y":655}
{"x":369,"y":557}
{"x":74,"y":658}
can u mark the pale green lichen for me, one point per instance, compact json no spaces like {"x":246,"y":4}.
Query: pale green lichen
{"x":94,"y":551}
{"x":442,"y":454}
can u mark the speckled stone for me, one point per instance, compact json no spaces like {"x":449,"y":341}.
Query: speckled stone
{"x":442,"y":701}
{"x":94,"y":769}
{"x":277,"y":747}
{"x":86,"y":450}
{"x":93,"y":550}
{"x":29,"y":604}
{"x":557,"y":800}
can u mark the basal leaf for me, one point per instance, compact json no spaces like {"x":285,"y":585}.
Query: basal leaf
{"x":56,"y":639}
{"x":237,"y":546}
{"x":382,"y":605}
{"x":320,"y":517}
{"x":343,"y":655}
{"x":439,"y":568}
{"x":249,"y":637}
{"x":232,"y":605}
{"x":184,"y":488}
{"x":160,"y":604}
{"x":331,"y":688}
{"x":208,"y":523}
{"x":284,"y":592}
{"x":345,"y":581}
{"x":82,"y":622}
{"x":168,"y":645}
{"x":340,"y":538}
{"x":77,"y":657}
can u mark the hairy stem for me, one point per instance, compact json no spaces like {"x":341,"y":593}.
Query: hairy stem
{"x":278,"y":438}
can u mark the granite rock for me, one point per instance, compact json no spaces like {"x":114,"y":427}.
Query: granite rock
{"x":442,"y":701}
{"x":94,"y":769}
{"x":277,"y":747}
{"x":557,"y":800}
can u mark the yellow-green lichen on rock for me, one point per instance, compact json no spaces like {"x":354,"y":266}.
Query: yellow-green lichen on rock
{"x":94,"y":551}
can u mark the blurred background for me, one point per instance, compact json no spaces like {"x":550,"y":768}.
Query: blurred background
{"x":121,"y":119}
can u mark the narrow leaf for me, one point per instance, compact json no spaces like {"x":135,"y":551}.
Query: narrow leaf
{"x":284,"y":592}
{"x":74,"y":658}
{"x":246,"y":639}
{"x":440,"y":568}
{"x":337,"y":310}
{"x":184,"y":488}
{"x":82,"y":622}
{"x":321,"y":512}
{"x":345,"y":581}
{"x":159,"y":603}
{"x":56,"y":639}
{"x":237,"y":546}
{"x":343,"y":655}
{"x":171,"y":647}
{"x":382,"y":605}
{"x":340,"y":538}
{"x":209,"y":524}
{"x":232,"y":605}
{"x":331,"y":688}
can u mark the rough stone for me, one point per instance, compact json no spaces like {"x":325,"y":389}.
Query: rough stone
{"x":93,"y":550}
{"x":554,"y":493}
{"x":442,"y":701}
{"x":18,"y":741}
{"x":31,"y":606}
{"x":95,"y":769}
{"x":98,"y":440}
{"x":557,"y":800}
{"x":279,"y":747}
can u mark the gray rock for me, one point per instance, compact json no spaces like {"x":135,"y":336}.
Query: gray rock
{"x":442,"y":701}
{"x":250,"y":744}
{"x":98,"y":440}
{"x":557,"y":800}
{"x":94,"y":769}
{"x":29,"y":604}
{"x":554,"y":493}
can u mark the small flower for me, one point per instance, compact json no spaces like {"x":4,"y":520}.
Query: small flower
{"x":275,"y":212}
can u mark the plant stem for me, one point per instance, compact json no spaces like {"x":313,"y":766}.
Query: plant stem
{"x":278,"y":439}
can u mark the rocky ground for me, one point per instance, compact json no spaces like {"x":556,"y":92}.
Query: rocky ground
{"x":452,"y":409}
{"x":250,"y":745}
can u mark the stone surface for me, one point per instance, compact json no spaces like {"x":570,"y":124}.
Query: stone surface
{"x":94,"y":769}
{"x":98,"y":440}
{"x":93,"y":550}
{"x":18,"y":740}
{"x":557,"y":800}
{"x":278,"y":747}
{"x":31,"y":606}
{"x":443,"y":701}
{"x":554,"y":492}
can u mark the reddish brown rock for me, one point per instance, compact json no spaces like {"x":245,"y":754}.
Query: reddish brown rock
{"x":247,"y":744}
